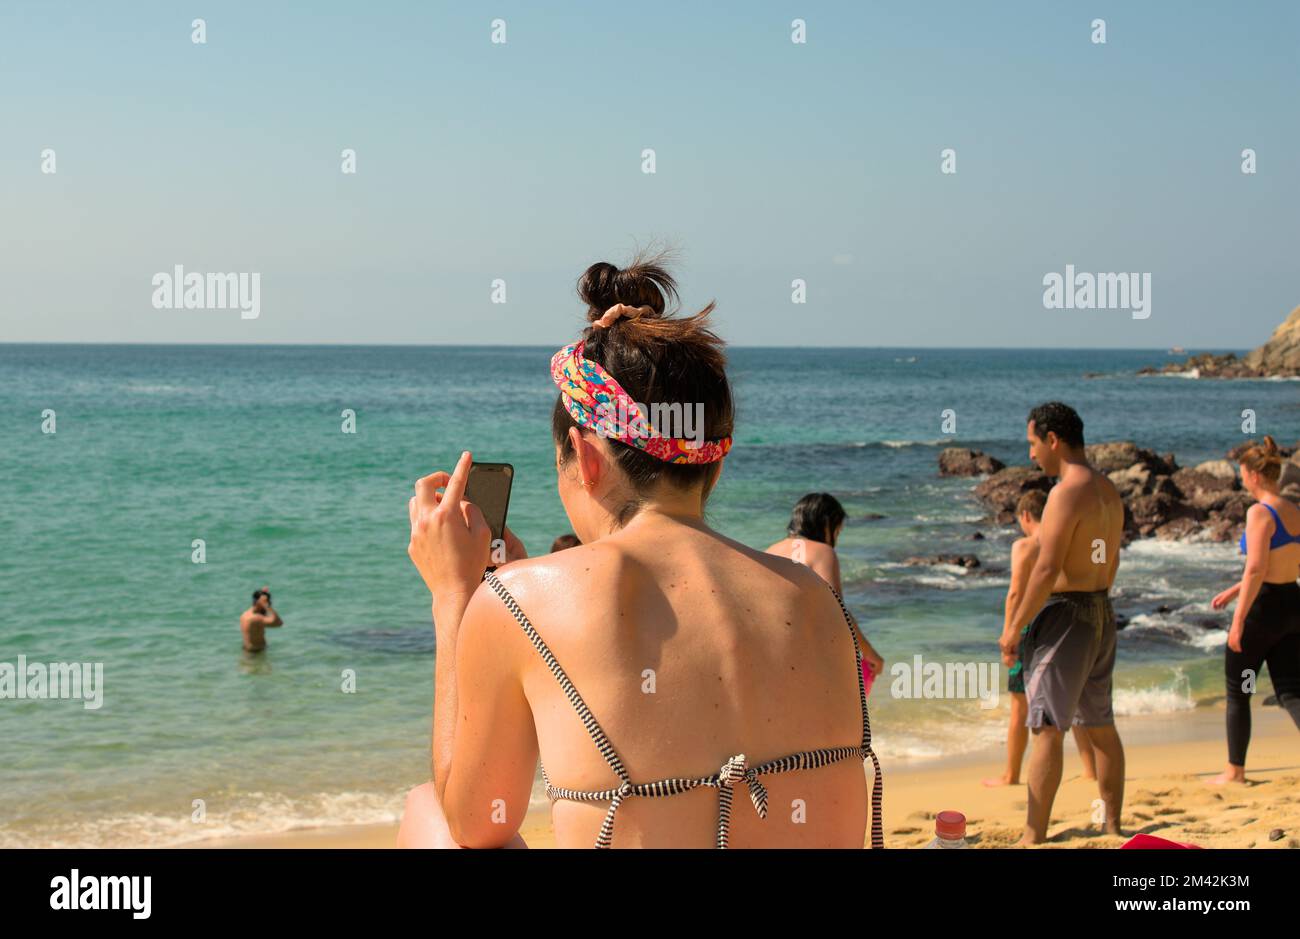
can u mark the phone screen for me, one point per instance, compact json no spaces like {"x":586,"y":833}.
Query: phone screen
{"x":488,"y":487}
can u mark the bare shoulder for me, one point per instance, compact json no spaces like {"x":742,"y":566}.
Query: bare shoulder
{"x":1259,"y":512}
{"x":780,"y":548}
{"x":548,"y":575}
{"x":1023,"y":548}
{"x":1110,"y":492}
{"x":799,"y":575}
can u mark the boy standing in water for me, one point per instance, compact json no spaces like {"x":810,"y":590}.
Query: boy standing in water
{"x":1024,"y":555}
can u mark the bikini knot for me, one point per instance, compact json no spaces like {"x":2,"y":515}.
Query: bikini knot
{"x":733,"y":771}
{"x":625,"y":790}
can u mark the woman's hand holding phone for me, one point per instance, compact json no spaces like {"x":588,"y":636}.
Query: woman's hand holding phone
{"x":450,"y":540}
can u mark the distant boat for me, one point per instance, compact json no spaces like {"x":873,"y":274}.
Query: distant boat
{"x":1177,"y":350}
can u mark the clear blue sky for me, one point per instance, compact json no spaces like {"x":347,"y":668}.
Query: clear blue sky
{"x":775,"y":161}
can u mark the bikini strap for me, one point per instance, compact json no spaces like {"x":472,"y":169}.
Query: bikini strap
{"x":584,"y":713}
{"x":857,"y":657}
{"x":878,"y":781}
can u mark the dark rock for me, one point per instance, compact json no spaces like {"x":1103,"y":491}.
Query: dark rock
{"x":968,"y":561}
{"x":1222,"y":529}
{"x":1120,"y":455}
{"x":1202,"y":489}
{"x":977,"y":536}
{"x":957,"y":461}
{"x":1177,"y":529}
{"x":871,"y":517}
{"x":1001,"y":491}
{"x":1276,"y":834}
{"x":1121,"y":620}
{"x":1144,"y":514}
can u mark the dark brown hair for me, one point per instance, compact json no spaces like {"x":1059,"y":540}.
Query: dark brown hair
{"x":658,"y":359}
{"x":1263,"y":458}
{"x":1060,"y":419}
{"x":815,"y":517}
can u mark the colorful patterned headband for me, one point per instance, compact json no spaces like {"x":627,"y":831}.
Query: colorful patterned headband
{"x":596,"y":400}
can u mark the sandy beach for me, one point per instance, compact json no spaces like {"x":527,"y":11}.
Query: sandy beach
{"x":1169,"y":759}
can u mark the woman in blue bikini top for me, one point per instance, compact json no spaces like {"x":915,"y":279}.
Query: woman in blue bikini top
{"x":1260,"y":474}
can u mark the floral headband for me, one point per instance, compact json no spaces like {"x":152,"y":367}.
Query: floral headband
{"x":596,"y":400}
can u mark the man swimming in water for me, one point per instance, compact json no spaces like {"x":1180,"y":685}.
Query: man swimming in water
{"x":259,"y":617}
{"x":1069,"y":648}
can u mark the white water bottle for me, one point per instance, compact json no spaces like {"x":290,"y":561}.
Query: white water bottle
{"x":949,"y":831}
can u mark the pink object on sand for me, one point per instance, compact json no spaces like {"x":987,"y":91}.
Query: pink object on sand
{"x":1151,"y":841}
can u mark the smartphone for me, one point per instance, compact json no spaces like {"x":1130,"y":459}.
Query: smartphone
{"x":488,"y":487}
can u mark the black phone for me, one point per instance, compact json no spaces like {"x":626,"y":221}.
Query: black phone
{"x":488,"y":487}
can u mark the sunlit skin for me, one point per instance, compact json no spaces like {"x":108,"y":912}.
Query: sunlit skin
{"x":820,"y":556}
{"x":1263,"y":565}
{"x":1083,"y":509}
{"x":1024,"y":555}
{"x":748,"y":653}
{"x":254,"y":622}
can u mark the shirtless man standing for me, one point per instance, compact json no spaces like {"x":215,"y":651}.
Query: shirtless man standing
{"x":1069,"y":649}
{"x":259,"y":617}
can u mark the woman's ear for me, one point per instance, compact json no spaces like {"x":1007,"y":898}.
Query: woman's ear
{"x":591,"y":464}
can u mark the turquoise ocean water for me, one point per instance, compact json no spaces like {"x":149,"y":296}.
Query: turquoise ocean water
{"x":156,"y":446}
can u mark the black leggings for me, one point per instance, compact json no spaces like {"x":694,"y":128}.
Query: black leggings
{"x":1271,"y":635}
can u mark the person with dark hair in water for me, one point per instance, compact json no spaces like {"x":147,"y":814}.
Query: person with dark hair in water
{"x":1069,"y":645}
{"x":258,"y":618}
{"x":1266,"y":624}
{"x":814,"y":528}
{"x":659,"y":663}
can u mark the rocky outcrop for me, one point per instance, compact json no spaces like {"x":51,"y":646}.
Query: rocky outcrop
{"x":1110,"y":457}
{"x":1001,"y":491}
{"x":958,"y":461}
{"x":1277,"y":358}
{"x":1161,"y":500}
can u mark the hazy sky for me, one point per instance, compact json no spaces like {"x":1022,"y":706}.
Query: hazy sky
{"x":774,"y":161}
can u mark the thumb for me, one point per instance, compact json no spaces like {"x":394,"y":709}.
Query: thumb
{"x":474,"y":520}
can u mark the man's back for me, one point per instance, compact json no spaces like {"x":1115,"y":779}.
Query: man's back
{"x":1089,"y":505}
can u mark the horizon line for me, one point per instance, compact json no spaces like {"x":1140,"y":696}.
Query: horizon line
{"x":1190,"y":350}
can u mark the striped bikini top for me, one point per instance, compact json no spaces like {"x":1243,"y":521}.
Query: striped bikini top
{"x":734,"y":771}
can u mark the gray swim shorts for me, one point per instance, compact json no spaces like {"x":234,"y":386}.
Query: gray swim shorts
{"x":1069,"y":656}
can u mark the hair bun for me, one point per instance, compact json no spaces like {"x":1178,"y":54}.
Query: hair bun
{"x":644,"y":283}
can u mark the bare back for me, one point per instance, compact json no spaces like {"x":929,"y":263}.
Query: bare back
{"x":690,"y":648}
{"x":1086,"y":505}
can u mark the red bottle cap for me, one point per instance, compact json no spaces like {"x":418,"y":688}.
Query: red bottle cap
{"x":950,"y":825}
